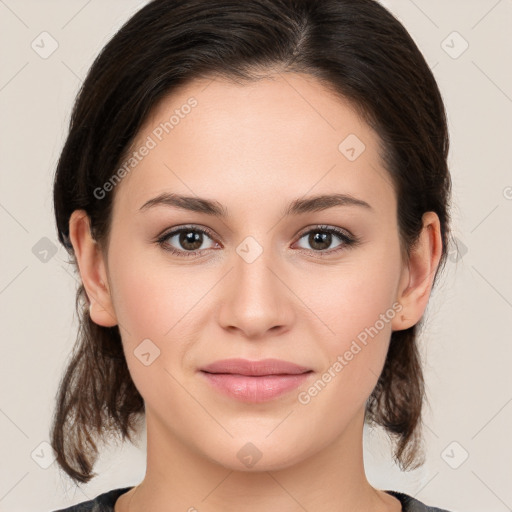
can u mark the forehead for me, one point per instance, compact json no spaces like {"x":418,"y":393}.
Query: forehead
{"x":282,"y":136}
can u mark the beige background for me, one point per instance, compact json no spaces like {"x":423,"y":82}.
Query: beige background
{"x":467,"y":345}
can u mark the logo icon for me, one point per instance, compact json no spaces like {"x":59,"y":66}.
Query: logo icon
{"x":454,"y":45}
{"x":146,"y":352}
{"x":44,"y":45}
{"x":249,"y":455}
{"x":351,"y":147}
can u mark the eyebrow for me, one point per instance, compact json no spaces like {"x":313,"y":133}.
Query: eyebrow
{"x":214,"y":208}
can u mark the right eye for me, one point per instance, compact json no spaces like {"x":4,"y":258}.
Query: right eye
{"x":190,"y":239}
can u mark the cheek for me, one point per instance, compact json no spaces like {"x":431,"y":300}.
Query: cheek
{"x":140,"y":305}
{"x":154,"y":325}
{"x":356,"y":304}
{"x":149,"y":296}
{"x":157,"y":302}
{"x":353,"y":297}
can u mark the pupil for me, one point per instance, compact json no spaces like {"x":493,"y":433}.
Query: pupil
{"x":324,"y":239}
{"x":190,"y":237}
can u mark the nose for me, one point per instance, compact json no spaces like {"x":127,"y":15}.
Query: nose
{"x":256,"y":300}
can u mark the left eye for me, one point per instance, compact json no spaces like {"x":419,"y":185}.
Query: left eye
{"x":191,"y":240}
{"x":321,"y":238}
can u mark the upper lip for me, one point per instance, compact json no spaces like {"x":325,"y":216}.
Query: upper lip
{"x":255,"y":368}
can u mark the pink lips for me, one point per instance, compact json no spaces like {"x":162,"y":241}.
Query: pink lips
{"x":255,"y":381}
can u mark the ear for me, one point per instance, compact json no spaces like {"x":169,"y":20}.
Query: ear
{"x":418,"y":276}
{"x":92,"y":269}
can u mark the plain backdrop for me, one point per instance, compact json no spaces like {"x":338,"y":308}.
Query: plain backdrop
{"x":466,"y":346}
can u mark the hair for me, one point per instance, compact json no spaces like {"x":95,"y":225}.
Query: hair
{"x":355,"y":48}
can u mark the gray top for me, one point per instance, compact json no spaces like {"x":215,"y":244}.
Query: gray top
{"x":105,"y":503}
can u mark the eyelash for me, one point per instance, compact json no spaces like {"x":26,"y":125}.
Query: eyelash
{"x":348,"y":241}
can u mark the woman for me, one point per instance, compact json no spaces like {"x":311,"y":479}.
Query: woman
{"x":256,"y":196}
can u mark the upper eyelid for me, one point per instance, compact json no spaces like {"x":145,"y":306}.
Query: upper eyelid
{"x":324,"y":227}
{"x":179,"y":229}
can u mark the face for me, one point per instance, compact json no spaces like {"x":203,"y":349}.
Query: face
{"x":315,"y":286}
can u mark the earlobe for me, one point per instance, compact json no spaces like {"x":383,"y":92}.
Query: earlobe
{"x":92,"y":269}
{"x":418,"y":277}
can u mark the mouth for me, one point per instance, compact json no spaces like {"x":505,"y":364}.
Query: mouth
{"x":255,"y":381}
{"x":255,"y":368}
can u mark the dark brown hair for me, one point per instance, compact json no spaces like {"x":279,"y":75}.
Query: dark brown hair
{"x":355,"y":48}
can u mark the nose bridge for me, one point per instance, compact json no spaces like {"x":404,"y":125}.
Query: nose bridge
{"x":252,"y":267}
{"x":256,"y":300}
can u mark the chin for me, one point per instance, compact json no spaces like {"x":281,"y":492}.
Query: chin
{"x":258,"y":455}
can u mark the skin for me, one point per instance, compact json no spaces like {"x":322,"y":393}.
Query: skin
{"x":255,"y":148}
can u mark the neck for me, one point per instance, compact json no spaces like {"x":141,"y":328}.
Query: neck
{"x":181,"y":479}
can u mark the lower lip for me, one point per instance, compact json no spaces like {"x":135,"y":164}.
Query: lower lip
{"x":255,"y":389}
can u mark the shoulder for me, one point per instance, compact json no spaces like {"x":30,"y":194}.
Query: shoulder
{"x":105,"y":503}
{"x":102,"y":503}
{"x":410,"y":504}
